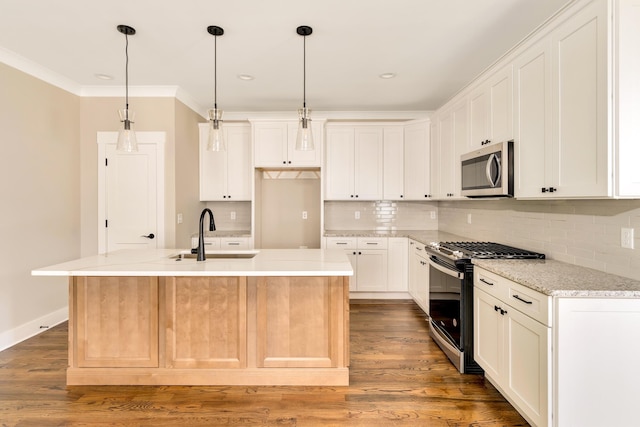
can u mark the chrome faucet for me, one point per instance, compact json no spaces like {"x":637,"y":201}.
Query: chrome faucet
{"x":212,"y":227}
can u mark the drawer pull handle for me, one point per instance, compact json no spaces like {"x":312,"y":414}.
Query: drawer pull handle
{"x":233,"y":243}
{"x":341,"y":243}
{"x":372,"y":243}
{"x":487,"y":282}
{"x":523,"y":300}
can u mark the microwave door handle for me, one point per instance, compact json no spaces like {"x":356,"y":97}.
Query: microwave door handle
{"x":493,"y":158}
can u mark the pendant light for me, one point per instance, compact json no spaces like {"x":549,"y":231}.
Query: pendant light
{"x":304,"y":140}
{"x":126,"y":137}
{"x":215,"y":141}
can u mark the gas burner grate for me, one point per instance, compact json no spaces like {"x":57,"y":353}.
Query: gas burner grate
{"x":490,"y":250}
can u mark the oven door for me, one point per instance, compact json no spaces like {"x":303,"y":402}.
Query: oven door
{"x":445,"y":285}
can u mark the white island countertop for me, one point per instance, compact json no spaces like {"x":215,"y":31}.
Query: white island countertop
{"x":163,"y":262}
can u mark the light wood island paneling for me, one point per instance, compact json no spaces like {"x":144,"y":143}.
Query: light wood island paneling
{"x":231,"y":330}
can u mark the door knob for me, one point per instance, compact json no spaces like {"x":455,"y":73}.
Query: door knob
{"x":149,"y":236}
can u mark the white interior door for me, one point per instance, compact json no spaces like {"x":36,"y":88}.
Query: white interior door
{"x":131,"y":193}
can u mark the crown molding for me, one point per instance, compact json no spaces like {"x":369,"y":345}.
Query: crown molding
{"x":36,"y":70}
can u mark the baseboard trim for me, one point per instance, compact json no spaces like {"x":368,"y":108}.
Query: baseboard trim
{"x":34,"y":327}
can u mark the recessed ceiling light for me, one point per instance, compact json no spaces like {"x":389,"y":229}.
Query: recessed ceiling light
{"x":245,"y":77}
{"x":387,"y":75}
{"x":103,"y":76}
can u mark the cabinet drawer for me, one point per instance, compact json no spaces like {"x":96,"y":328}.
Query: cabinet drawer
{"x":231,"y":243}
{"x":210,"y":243}
{"x":372,"y":242}
{"x":491,"y":283}
{"x":341,"y":242}
{"x":530,"y":302}
{"x":526,"y":300}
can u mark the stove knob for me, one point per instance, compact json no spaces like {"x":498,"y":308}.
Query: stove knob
{"x":457,"y":254}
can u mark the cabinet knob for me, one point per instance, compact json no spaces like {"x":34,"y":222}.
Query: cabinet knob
{"x":352,"y":196}
{"x":552,"y":189}
{"x":224,"y":197}
{"x":356,"y":196}
{"x":284,"y":162}
{"x":401,"y":196}
{"x":289,"y":161}
{"x":228,"y":197}
{"x":544,"y":190}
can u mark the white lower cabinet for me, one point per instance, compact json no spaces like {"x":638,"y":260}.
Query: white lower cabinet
{"x":419,"y":275}
{"x":512,"y":345}
{"x":379,"y":263}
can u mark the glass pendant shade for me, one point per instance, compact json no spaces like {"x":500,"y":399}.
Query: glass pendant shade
{"x":304,"y":139}
{"x":215,"y":140}
{"x":127,"y":140}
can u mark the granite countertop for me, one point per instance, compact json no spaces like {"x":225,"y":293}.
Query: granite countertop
{"x":560,"y":279}
{"x":422,"y":236}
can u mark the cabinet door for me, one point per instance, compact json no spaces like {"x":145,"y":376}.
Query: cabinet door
{"x":339,"y":165}
{"x":500,"y":89}
{"x":352,"y":254}
{"x":419,"y":280}
{"x":479,"y":104}
{"x":119,"y":322}
{"x":372,"y":270}
{"x":398,"y":263}
{"x":368,"y":164}
{"x":488,"y":339}
{"x":580,"y":128}
{"x":312,"y":158}
{"x":527,"y":358}
{"x":270,"y":144}
{"x":447,"y":155}
{"x":238,"y":164}
{"x":393,"y":187}
{"x":213,"y":169}
{"x":460,"y":113}
{"x":417,"y":161}
{"x":533,"y":115}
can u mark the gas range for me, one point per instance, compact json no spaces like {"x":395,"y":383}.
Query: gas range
{"x":461,"y":251}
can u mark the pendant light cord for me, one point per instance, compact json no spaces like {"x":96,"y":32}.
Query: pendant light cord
{"x":304,"y":72}
{"x":126,"y":73}
{"x":215,"y":73}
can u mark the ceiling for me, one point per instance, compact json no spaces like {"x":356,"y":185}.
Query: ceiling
{"x":434,"y":47}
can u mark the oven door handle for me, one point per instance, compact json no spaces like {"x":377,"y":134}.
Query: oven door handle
{"x":433,"y":262}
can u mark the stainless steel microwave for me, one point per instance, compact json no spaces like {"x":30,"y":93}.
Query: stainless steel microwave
{"x":488,"y":171}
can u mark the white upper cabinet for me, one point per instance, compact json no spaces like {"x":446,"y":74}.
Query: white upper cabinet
{"x":532,"y":115}
{"x":226,"y":175}
{"x":394,"y":165}
{"x":491,"y":109}
{"x":354,"y":163}
{"x":417,"y":161}
{"x":274,"y":145}
{"x":452,"y":140}
{"x":561,"y":110}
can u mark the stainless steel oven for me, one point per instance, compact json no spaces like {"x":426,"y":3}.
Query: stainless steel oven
{"x":451,"y":295}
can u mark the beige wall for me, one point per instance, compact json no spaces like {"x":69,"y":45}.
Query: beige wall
{"x":187,"y":194}
{"x":40,"y":190}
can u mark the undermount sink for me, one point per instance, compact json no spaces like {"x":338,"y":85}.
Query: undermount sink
{"x":250,"y":253}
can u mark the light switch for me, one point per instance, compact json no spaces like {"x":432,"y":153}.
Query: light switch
{"x":233,"y":215}
{"x":179,"y":218}
{"x":304,"y":214}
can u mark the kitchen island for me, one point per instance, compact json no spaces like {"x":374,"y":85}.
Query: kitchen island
{"x":155,"y":317}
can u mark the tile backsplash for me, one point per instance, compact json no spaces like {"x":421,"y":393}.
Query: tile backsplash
{"x":380,"y":215}
{"x":582,"y":232}
{"x":223,"y":212}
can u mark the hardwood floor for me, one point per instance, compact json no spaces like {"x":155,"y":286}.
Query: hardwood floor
{"x":398,"y":377}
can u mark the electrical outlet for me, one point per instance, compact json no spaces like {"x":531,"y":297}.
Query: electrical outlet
{"x":233,"y":215}
{"x":304,"y":214}
{"x":468,"y":218}
{"x":433,"y":214}
{"x":357,"y":214}
{"x":179,"y":218}
{"x":626,"y":238}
